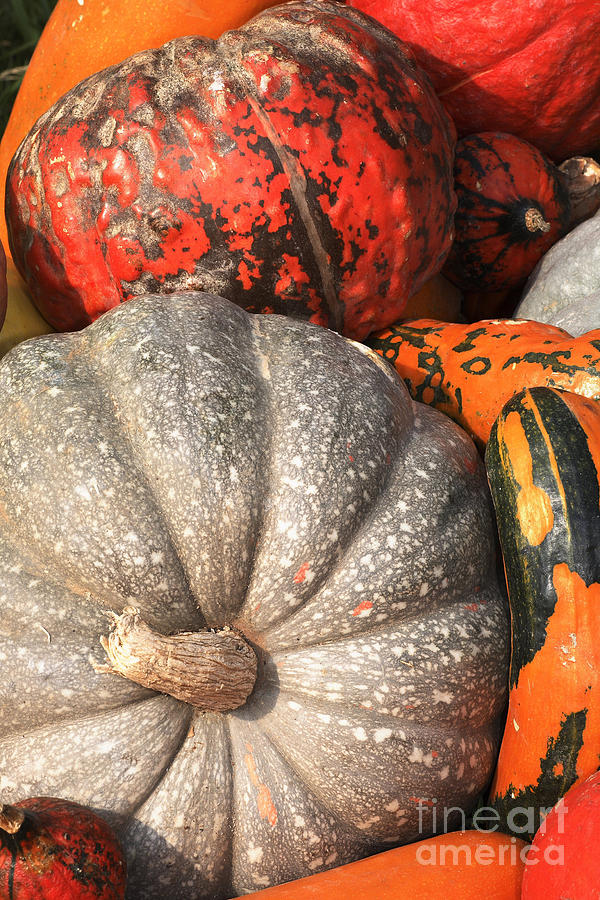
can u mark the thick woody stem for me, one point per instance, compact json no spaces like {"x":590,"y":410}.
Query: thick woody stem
{"x":11,"y":818}
{"x":213,"y":670}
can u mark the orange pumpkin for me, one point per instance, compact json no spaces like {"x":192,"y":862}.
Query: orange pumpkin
{"x":454,"y":866}
{"x":82,"y":38}
{"x":3,"y":285}
{"x":470,"y":371}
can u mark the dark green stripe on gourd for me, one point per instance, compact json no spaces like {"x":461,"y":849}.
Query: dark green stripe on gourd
{"x":524,"y":810}
{"x":553,"y":433}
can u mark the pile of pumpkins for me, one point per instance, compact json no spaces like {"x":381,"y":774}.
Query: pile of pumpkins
{"x":310,"y":406}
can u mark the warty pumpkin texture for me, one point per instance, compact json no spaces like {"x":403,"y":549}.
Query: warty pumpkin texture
{"x":301,"y":164}
{"x":181,"y":473}
{"x":80,"y":40}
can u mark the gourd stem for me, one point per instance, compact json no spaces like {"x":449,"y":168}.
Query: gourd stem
{"x":11,"y":818}
{"x":582,"y":178}
{"x":534,"y":220}
{"x":212,"y":669}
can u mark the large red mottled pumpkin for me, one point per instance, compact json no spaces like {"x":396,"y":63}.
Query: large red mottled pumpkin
{"x":531,"y":68}
{"x":301,"y":164}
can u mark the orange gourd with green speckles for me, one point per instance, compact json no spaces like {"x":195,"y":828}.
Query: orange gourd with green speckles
{"x":470,"y":371}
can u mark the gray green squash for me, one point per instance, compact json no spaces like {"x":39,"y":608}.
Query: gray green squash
{"x":182,"y":467}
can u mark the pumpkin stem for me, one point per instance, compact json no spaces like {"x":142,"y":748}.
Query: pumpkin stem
{"x":11,"y":818}
{"x":213,"y":669}
{"x":582,"y":174}
{"x":534,"y":220}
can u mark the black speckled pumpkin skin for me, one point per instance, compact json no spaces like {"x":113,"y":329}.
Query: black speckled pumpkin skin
{"x":212,"y":467}
{"x":61,"y":851}
{"x":300,"y":165}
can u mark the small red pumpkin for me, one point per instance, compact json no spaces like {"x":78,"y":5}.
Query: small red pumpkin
{"x":513,"y":204}
{"x":55,"y":849}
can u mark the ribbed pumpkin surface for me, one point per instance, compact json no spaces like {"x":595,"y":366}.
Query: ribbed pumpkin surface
{"x":216,"y":468}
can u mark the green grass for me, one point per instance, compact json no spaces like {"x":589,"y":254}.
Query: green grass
{"x":21,"y":23}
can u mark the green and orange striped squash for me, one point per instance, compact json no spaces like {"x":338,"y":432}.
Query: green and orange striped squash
{"x":543,"y":466}
{"x":470,"y":371}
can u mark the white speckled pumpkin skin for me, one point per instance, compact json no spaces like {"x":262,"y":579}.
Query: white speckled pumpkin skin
{"x":215,"y":467}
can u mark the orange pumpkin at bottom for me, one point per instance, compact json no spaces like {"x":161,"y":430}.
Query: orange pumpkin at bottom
{"x":455,"y":866}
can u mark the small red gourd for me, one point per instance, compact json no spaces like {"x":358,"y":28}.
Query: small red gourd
{"x":563,"y":858}
{"x":55,"y":849}
{"x":513,"y":204}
